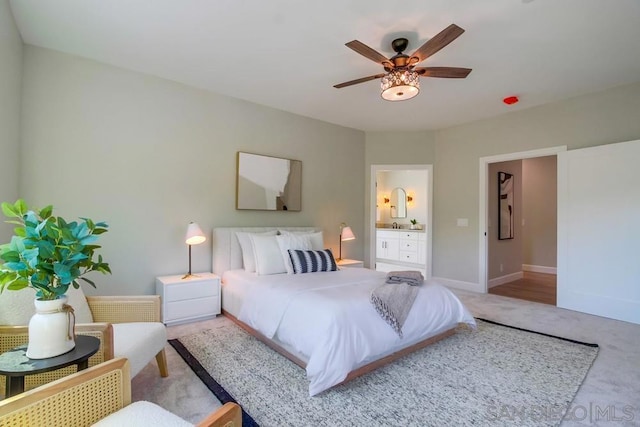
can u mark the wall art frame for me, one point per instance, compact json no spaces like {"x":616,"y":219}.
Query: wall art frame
{"x":505,"y":205}
{"x":268,"y":183}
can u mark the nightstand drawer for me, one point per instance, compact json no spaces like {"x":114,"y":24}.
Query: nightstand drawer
{"x":209,"y":306}
{"x":190,"y":290}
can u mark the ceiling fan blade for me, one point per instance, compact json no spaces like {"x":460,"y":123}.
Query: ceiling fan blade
{"x":368,"y":52}
{"x":436,"y":43}
{"x":444,"y":72}
{"x":355,"y":82}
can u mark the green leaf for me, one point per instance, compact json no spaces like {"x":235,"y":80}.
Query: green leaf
{"x":88,"y":239}
{"x":47,"y":250}
{"x":31,"y":257}
{"x":63,"y":272}
{"x":16,"y":266}
{"x":10,"y":256}
{"x":75,"y":258}
{"x":88,"y":281}
{"x":21,"y":207}
{"x":46,"y":212}
{"x":19,"y":283}
{"x":81,"y":231}
{"x":10,"y":211}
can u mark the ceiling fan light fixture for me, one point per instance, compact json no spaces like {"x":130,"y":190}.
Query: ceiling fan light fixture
{"x":400,"y":85}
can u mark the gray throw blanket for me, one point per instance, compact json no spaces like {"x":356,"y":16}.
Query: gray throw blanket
{"x":393,"y":303}
{"x":413,"y":278}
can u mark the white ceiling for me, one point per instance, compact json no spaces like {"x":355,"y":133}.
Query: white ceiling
{"x":288,"y":54}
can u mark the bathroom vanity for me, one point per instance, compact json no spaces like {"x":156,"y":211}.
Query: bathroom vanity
{"x":401,"y":249}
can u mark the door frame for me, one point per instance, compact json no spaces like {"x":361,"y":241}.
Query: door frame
{"x":372,"y":209}
{"x":483,"y":213}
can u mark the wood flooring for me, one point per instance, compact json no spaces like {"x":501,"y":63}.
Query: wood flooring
{"x":536,"y":287}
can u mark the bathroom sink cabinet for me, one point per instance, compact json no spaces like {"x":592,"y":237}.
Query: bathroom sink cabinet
{"x":401,"y":250}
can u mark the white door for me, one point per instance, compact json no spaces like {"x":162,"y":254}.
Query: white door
{"x":599,"y":230}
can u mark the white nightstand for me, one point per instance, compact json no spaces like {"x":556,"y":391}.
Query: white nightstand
{"x":350,"y":263}
{"x":187,"y":300}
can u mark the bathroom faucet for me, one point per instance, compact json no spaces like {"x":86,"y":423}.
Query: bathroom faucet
{"x":395,"y":225}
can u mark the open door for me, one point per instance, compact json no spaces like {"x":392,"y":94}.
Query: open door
{"x":599,"y":230}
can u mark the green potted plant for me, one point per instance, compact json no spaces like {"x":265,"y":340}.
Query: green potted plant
{"x":49,"y":254}
{"x":414,"y":224}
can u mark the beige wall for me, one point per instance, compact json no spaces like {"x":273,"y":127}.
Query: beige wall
{"x":10,"y":87}
{"x":389,"y":148}
{"x":414,"y":183}
{"x":148,"y":155}
{"x":594,"y":119}
{"x":540,"y":211}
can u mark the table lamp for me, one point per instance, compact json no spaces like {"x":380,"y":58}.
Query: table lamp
{"x":345,"y":234}
{"x":194,"y":236}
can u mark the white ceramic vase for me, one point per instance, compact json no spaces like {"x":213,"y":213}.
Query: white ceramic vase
{"x":51,"y":329}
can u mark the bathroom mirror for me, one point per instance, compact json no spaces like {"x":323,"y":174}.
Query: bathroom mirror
{"x":268,"y":183}
{"x":398,"y":202}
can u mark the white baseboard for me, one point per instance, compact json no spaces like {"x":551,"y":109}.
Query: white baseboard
{"x":504,"y":279}
{"x":458,"y":284}
{"x":539,"y":269}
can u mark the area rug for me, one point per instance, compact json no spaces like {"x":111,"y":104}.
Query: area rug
{"x":495,"y":375}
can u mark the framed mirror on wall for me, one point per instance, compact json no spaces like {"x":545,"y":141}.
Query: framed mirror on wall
{"x":398,"y":203}
{"x":505,"y":206}
{"x":268,"y":183}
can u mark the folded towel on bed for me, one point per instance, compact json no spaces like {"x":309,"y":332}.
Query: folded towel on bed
{"x":393,"y":303}
{"x":413,"y":278}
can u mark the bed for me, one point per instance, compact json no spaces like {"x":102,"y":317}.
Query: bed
{"x":324,"y":321}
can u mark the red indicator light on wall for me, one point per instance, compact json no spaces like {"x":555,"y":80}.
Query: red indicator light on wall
{"x":510,"y":100}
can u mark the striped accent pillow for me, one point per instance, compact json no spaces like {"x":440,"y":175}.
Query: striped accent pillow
{"x":312,"y":261}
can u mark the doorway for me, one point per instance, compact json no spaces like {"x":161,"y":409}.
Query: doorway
{"x":521,"y":264}
{"x":421,"y":192}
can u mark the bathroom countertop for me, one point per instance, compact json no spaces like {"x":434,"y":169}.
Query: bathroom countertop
{"x":406,"y":228}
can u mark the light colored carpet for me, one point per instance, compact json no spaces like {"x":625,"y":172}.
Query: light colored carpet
{"x":493,"y":376}
{"x":612,"y":384}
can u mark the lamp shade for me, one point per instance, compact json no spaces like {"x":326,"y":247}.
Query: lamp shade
{"x":347,"y":234}
{"x":194,"y":235}
{"x":400,"y":85}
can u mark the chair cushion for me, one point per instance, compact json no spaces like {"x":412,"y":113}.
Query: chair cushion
{"x":139,"y":342}
{"x":16,"y":307}
{"x":142,"y":413}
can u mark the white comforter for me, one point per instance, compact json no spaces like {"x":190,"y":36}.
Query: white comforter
{"x":329,"y":319}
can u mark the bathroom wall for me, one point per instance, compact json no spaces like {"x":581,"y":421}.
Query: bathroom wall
{"x":415,"y":184}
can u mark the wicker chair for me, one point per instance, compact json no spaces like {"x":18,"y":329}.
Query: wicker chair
{"x":99,"y":395}
{"x":128,"y":326}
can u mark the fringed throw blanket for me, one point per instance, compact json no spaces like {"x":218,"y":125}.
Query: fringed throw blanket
{"x":413,"y":278}
{"x":393,"y":302}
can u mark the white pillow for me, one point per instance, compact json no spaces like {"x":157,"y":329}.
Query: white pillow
{"x":292,"y":241}
{"x":248,"y":259}
{"x":266,"y":252}
{"x":317,"y":241}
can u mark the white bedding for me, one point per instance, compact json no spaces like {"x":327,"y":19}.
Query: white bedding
{"x":328,"y":318}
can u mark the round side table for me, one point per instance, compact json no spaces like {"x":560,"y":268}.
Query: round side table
{"x":15,"y":365}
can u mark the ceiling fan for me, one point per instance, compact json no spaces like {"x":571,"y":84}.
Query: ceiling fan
{"x":402,"y":78}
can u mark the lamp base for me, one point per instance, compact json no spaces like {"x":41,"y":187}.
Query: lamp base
{"x":189,"y":275}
